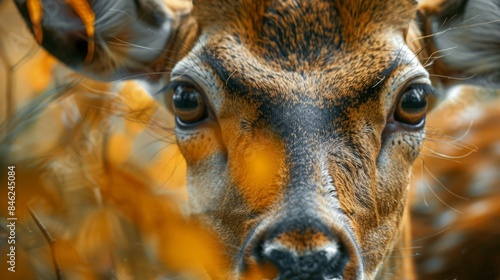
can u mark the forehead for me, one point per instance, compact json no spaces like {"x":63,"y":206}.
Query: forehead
{"x":304,"y":47}
{"x":303,"y":26}
{"x":242,"y":71}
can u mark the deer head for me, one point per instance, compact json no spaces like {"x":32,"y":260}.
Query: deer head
{"x":299,"y":120}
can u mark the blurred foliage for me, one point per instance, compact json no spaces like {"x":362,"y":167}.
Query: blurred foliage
{"x":456,"y":189}
{"x":98,"y":165}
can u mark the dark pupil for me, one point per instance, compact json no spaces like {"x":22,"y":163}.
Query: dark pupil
{"x":186,"y":99}
{"x":414,"y":100}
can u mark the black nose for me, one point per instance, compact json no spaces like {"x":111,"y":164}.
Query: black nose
{"x":327,"y":263}
{"x":301,"y":247}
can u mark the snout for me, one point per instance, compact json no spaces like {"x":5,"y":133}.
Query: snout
{"x":300,"y":248}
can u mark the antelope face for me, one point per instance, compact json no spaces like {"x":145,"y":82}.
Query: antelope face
{"x":299,"y":124}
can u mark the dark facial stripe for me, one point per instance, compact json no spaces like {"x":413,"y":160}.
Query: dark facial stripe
{"x":303,"y":125}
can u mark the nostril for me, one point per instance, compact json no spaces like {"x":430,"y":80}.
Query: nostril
{"x":279,"y":258}
{"x":326,"y":263}
{"x":310,"y":264}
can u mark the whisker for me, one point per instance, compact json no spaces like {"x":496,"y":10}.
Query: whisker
{"x":439,"y":198}
{"x":435,"y":52}
{"x":143,"y":75}
{"x":422,"y":173}
{"x":453,"y":78}
{"x":447,"y":156}
{"x":433,"y":235}
{"x":458,"y":139}
{"x":125,"y":43}
{"x":443,"y":186}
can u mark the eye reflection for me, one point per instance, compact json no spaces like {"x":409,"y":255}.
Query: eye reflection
{"x":412,"y":105}
{"x":188,"y":104}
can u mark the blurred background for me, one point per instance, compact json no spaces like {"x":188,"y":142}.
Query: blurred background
{"x":97,"y":166}
{"x":456,"y":189}
{"x":100,"y":183}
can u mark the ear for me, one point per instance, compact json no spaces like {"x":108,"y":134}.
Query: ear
{"x":461,"y":39}
{"x":109,"y":40}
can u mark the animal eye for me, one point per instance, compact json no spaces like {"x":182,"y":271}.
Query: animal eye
{"x":412,"y":105}
{"x":188,"y":104}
